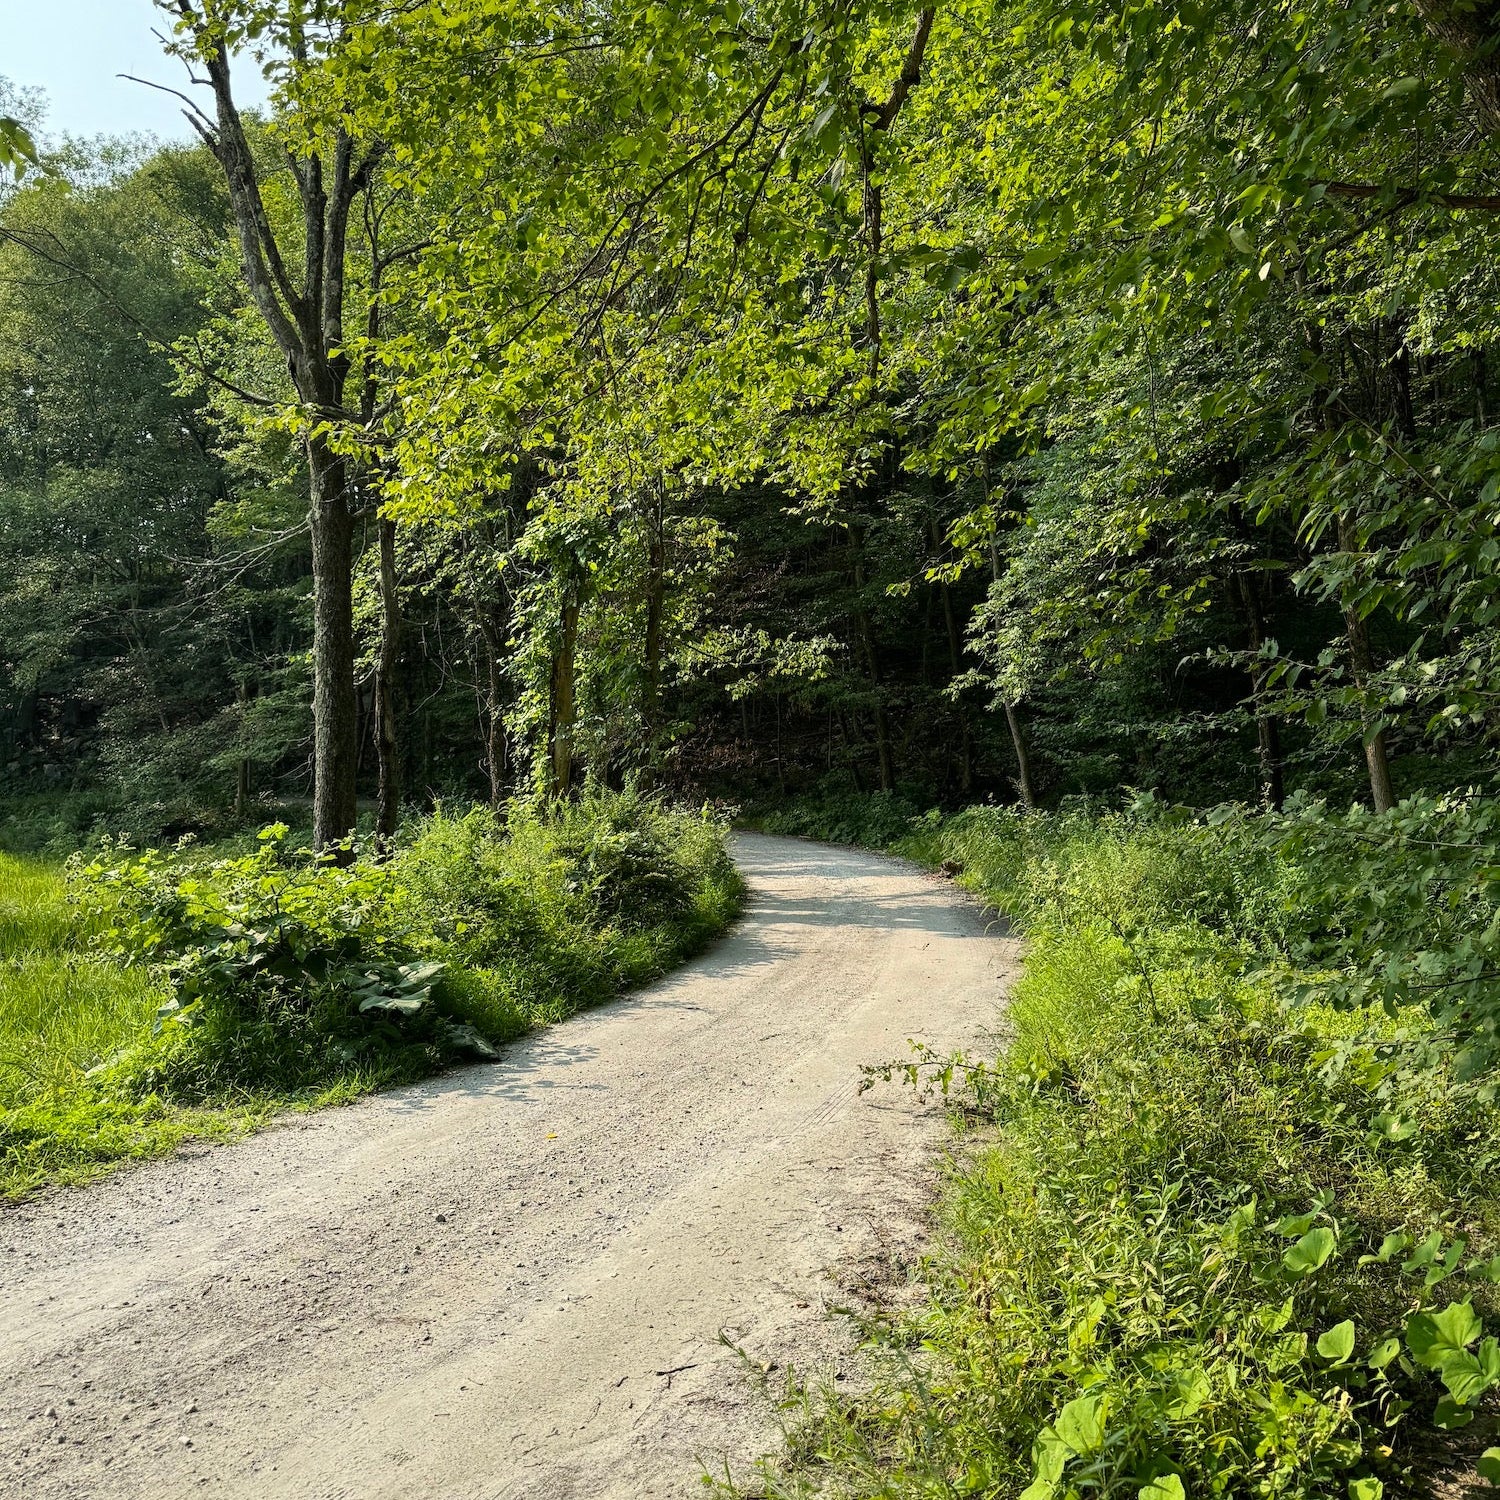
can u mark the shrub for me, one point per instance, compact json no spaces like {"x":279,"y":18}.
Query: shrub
{"x":872,"y":822}
{"x":1186,"y":1256}
{"x":292,"y":973}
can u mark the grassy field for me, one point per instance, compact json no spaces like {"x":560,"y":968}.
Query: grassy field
{"x":64,"y":1009}
{"x":274,"y":965}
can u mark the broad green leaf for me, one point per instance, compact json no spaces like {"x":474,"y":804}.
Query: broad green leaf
{"x":1464,"y":1377}
{"x":1338,"y":1343}
{"x":1080,"y":1424}
{"x":406,"y":1005}
{"x":1431,"y":1337}
{"x":1167,"y":1487}
{"x":1191,"y":1391}
{"x":1310,"y":1252}
{"x":1451,"y":1415}
{"x":1050,"y":1454}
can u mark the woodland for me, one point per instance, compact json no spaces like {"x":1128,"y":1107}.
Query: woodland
{"x":1058,"y":442}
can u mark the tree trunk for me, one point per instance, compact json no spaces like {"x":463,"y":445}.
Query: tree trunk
{"x":1024,"y":785}
{"x":884,"y":763}
{"x":1362,"y":662}
{"x":1267,"y":728}
{"x":493,"y":629}
{"x":883,"y":758}
{"x":301,"y":299}
{"x":564,"y":702}
{"x":1403,"y":408}
{"x":651,"y":687}
{"x":242,"y":769}
{"x":335,"y":729}
{"x":1023,"y":757}
{"x":955,"y":662}
{"x":388,"y":687}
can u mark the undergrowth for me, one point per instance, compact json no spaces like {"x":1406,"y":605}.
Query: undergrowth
{"x":1217,"y":1229}
{"x":148,"y":996}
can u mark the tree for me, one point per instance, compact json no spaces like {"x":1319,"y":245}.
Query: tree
{"x":303,"y":307}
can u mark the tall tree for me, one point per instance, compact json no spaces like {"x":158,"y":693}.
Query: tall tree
{"x":300,"y":290}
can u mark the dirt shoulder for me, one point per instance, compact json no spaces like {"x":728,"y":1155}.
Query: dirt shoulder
{"x":512,"y":1281}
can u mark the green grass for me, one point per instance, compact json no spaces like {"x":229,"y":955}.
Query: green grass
{"x":1117,"y":1302}
{"x":64,"y":1009}
{"x":531,"y":921}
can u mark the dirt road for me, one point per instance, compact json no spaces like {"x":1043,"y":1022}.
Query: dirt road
{"x":512,"y":1281}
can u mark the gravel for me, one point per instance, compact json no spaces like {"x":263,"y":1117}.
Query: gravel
{"x":553,"y":1277}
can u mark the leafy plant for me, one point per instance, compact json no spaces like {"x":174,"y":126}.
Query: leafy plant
{"x":1179,"y":1258}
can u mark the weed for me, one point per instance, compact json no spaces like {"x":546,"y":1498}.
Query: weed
{"x":157,"y":995}
{"x":1182,"y":1256}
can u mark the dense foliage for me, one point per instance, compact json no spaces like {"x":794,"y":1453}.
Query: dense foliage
{"x":994,"y":400}
{"x":1206,"y":1240}
{"x":161,"y":994}
{"x":1009,"y":397}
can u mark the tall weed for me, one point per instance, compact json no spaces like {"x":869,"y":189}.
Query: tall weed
{"x":164,"y":993}
{"x":1182,"y":1254}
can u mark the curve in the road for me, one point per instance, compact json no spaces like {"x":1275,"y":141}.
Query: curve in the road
{"x":513,"y":1281}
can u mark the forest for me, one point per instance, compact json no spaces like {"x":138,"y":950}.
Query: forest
{"x":1057,"y":442}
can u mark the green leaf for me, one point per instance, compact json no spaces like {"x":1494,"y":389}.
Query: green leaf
{"x":1484,"y":1270}
{"x":1191,"y":1391}
{"x":1489,"y":1465}
{"x":1366,"y":1489}
{"x":1168,"y":1487}
{"x":1432,"y":1337}
{"x":1465,"y":1377}
{"x":464,"y":1039}
{"x":1050,"y":1455}
{"x":406,"y":1005}
{"x":1450,"y":1415}
{"x":1338,"y":1343}
{"x":1080,"y":1424}
{"x":1392,"y":1244}
{"x":1310,"y":1252}
{"x":1295,"y":1224}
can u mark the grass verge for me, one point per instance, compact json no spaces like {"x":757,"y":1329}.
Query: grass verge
{"x":149,"y":997}
{"x":1200,"y":1241}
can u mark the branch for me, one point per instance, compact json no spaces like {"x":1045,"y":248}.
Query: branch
{"x":196,"y":117}
{"x":265,"y":271}
{"x":911,"y":72}
{"x":1405,"y":197}
{"x":60,"y":260}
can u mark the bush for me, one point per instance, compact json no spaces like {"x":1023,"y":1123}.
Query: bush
{"x":275,"y":977}
{"x":564,"y":905}
{"x":1186,"y":1256}
{"x":872,"y":822}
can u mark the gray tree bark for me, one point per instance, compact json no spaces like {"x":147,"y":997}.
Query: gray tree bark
{"x":305,"y":315}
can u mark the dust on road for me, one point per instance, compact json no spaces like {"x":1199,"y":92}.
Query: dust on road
{"x":512,"y":1281}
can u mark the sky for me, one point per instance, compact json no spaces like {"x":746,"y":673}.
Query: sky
{"x":73,"y":50}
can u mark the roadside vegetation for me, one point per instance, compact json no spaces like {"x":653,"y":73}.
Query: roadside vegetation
{"x":1226,"y":1219}
{"x":1023,"y":400}
{"x":149,"y":996}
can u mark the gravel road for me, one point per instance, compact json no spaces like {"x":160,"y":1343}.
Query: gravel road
{"x":512,"y":1281}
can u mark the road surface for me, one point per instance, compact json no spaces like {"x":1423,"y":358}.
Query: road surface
{"x":519,"y":1280}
